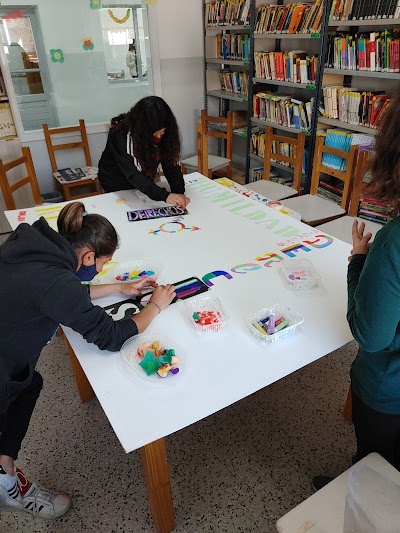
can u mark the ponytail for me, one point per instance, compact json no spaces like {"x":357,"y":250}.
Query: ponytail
{"x":87,"y":230}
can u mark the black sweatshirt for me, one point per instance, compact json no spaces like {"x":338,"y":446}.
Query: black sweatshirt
{"x":118,"y":171}
{"x":38,"y":291}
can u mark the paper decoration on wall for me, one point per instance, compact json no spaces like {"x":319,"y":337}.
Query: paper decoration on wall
{"x":149,"y":1}
{"x":87,"y":43}
{"x":95,"y":4}
{"x":57,"y":55}
{"x":14,"y":15}
{"x":117,"y":20}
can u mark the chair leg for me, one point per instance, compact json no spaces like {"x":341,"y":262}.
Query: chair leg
{"x":210,"y":173}
{"x":184,"y":169}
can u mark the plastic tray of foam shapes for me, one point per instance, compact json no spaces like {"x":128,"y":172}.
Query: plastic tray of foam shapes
{"x":131,"y":358}
{"x":133,"y":271}
{"x":300,"y":273}
{"x":206,"y":314}
{"x":281,"y":314}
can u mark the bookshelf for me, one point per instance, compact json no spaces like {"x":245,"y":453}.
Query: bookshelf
{"x":312,"y":39}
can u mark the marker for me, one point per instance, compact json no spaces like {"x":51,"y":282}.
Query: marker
{"x":258,"y":327}
{"x":282,"y":325}
{"x":271,"y":325}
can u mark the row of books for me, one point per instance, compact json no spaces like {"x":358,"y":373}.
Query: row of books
{"x":294,"y":66}
{"x":282,"y":110}
{"x":7,"y":126}
{"x":364,"y":9}
{"x":228,"y":12}
{"x":258,"y":145}
{"x":234,"y":82}
{"x":364,"y":108}
{"x":233,"y":46}
{"x":343,"y":140}
{"x":375,"y":210}
{"x":375,"y":51}
{"x":289,"y":18}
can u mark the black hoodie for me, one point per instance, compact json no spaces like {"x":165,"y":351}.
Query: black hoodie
{"x":38,"y":291}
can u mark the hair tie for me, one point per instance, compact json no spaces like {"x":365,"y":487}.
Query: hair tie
{"x":84,"y":214}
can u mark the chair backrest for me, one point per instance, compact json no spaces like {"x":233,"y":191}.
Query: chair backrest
{"x":362,"y":165}
{"x":208,"y":130}
{"x":52,"y":148}
{"x":296,"y":159}
{"x":31,"y":179}
{"x":344,"y":175}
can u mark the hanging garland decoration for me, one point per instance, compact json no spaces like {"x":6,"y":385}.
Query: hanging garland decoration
{"x":116,"y":19}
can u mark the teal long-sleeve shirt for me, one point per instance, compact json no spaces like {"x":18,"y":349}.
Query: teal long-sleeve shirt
{"x":373,"y":314}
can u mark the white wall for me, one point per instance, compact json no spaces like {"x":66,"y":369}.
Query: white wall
{"x":176,"y":41}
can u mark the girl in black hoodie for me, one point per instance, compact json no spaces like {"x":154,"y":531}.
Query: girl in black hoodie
{"x":40,"y":289}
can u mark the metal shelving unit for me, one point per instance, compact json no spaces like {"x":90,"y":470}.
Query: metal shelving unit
{"x":273,"y":163}
{"x":234,"y":62}
{"x":367,"y":22}
{"x":345,"y":125}
{"x":309,"y":86}
{"x":287,"y":36}
{"x":364,"y":73}
{"x":228,"y":96}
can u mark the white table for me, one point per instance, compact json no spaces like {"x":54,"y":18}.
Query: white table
{"x":223,"y":232}
{"x":323,"y":512}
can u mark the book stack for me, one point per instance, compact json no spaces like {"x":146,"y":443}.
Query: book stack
{"x":228,"y":12}
{"x":364,"y":9}
{"x":7,"y":126}
{"x":364,"y":108}
{"x":289,"y":18}
{"x":343,"y":140}
{"x":234,"y":82}
{"x":375,"y":210}
{"x":294,"y":66}
{"x":373,"y":51}
{"x":233,"y":46}
{"x":282,"y":148}
{"x":282,"y":110}
{"x":331,"y":189}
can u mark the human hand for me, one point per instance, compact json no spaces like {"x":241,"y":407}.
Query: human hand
{"x":135,"y":288}
{"x":361,"y":244}
{"x":178,"y":199}
{"x":163,"y":296}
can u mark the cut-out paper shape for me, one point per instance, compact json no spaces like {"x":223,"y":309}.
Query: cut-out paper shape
{"x":124,"y":310}
{"x":19,"y":14}
{"x":87,"y":43}
{"x":156,"y":212}
{"x":116,"y":19}
{"x":174,"y":226}
{"x":57,"y":55}
{"x":95,"y":4}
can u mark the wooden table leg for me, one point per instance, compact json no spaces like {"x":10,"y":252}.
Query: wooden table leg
{"x":158,"y":483}
{"x":85,"y":390}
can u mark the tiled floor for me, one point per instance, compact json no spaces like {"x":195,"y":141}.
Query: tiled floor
{"x":237,"y":471}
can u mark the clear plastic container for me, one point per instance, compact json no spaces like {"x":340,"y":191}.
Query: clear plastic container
{"x":277,"y":310}
{"x":300,"y":273}
{"x":208,"y":303}
{"x":131,"y":358}
{"x":130,"y":271}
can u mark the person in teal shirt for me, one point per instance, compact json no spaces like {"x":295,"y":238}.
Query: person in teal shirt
{"x":373,"y":309}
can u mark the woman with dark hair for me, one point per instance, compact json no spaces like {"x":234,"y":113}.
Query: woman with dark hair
{"x":373,"y":309}
{"x":138,"y":142}
{"x":40,"y":289}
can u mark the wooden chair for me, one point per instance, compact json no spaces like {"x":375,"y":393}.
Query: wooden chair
{"x":276,"y":191}
{"x":341,"y":227}
{"x":313,"y":209}
{"x":31,"y":179}
{"x":67,"y":187}
{"x":207,"y":164}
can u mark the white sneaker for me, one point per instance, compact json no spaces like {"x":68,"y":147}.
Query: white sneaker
{"x":36,"y":500}
{"x":10,"y":497}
